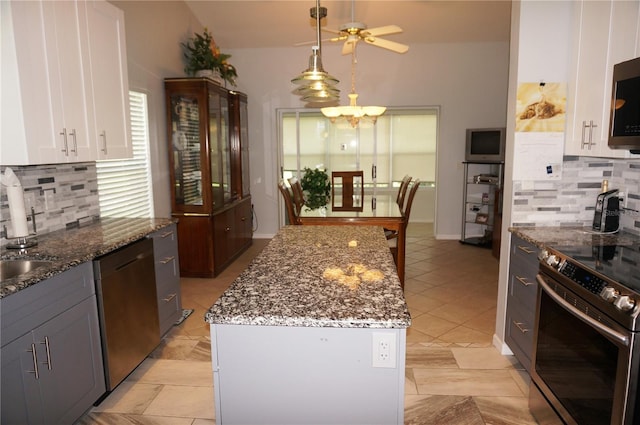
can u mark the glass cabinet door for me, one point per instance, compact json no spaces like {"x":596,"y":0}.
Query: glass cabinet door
{"x":244,"y":147}
{"x":226,"y":147}
{"x":185,"y":147}
{"x":215,"y":155}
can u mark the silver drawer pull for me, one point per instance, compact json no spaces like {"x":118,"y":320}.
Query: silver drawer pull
{"x":519,"y":326}
{"x":525,"y":250}
{"x":46,"y":344}
{"x":167,"y":234}
{"x":169,"y":298}
{"x":523,"y":280}
{"x":35,"y":361}
{"x":167,"y":260}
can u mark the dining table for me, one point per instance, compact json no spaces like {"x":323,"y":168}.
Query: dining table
{"x":374,"y":210}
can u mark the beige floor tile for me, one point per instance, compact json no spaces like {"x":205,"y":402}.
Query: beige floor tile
{"x":466,"y":382}
{"x":174,"y":372}
{"x":465,"y":334}
{"x":481,"y":358}
{"x":430,"y":357}
{"x":432,"y":325}
{"x":183,"y":401}
{"x":505,"y":410}
{"x":129,"y":397}
{"x":441,"y":410}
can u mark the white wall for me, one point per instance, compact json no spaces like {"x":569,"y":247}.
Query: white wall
{"x":468,"y":82}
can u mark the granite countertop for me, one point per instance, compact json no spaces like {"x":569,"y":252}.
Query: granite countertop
{"x":293,"y":282}
{"x":572,"y":236}
{"x":65,"y":249}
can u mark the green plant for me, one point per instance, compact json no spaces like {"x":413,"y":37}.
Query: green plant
{"x":201,"y":52}
{"x":316,"y":188}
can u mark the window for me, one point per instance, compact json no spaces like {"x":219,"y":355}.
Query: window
{"x":124,"y":187}
{"x":402,"y":142}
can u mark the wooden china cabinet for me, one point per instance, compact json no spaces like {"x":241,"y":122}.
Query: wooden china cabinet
{"x":209,"y":167}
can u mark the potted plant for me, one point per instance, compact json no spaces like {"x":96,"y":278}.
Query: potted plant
{"x":316,"y":188}
{"x":201,"y":53}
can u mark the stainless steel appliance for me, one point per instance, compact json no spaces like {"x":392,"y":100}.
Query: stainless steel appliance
{"x":127,"y":308}
{"x":586,"y":344}
{"x":606,"y":217}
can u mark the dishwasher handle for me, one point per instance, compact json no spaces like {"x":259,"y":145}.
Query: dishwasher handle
{"x":127,"y":256}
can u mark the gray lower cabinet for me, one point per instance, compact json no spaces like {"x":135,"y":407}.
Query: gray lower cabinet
{"x":52,"y":369}
{"x":167,"y":268}
{"x":521,"y":300}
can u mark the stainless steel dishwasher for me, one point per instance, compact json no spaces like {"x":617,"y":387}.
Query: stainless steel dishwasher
{"x":127,"y":307}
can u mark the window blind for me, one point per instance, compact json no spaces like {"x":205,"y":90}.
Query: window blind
{"x":124,"y":186}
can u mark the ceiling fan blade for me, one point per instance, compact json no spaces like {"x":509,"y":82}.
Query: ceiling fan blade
{"x":386,"y":44}
{"x":386,"y":30}
{"x":332,"y":31}
{"x":314,"y":42}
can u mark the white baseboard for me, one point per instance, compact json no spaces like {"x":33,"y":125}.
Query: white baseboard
{"x":501,"y":346}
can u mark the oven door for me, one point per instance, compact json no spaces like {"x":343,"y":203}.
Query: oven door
{"x":580,"y":364}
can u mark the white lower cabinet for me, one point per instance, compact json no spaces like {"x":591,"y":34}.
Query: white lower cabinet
{"x":601,"y":31}
{"x":52,"y":369}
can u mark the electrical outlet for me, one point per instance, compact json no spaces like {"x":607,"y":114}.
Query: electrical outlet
{"x":383,"y":350}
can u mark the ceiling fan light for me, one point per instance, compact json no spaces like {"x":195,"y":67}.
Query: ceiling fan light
{"x":374,"y":111}
{"x":330,"y":111}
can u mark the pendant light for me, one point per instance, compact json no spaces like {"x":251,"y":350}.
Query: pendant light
{"x":353,"y":113}
{"x":315,"y":85}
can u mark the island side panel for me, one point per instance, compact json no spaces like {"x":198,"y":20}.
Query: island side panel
{"x":305,"y":375}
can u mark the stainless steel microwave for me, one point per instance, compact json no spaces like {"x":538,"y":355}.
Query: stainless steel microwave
{"x":624,"y":126}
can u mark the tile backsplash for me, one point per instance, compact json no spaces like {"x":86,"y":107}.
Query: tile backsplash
{"x":62,"y":196}
{"x":571,"y":201}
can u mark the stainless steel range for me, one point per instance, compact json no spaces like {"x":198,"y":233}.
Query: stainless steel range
{"x":586,"y":345}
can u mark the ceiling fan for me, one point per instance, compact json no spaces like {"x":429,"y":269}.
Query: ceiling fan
{"x":353,"y":32}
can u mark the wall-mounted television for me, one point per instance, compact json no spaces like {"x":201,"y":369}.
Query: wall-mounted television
{"x":485,"y":145}
{"x":624,"y":127}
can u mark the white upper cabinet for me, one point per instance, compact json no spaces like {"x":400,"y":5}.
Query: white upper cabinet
{"x":108,"y":54}
{"x":50,"y":96}
{"x":605,"y":33}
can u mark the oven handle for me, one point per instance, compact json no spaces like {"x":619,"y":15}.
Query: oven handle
{"x":622,"y":339}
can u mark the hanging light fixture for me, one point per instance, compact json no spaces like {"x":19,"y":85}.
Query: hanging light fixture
{"x":353,"y":113}
{"x":315,"y":85}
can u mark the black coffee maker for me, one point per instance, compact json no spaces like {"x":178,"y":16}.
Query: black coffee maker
{"x":607,"y":213}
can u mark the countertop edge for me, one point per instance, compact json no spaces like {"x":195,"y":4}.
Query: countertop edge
{"x":89,"y":245}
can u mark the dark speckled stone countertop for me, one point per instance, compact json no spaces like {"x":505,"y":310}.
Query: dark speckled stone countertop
{"x":286,"y":284}
{"x":572,"y":236}
{"x":68,"y":248}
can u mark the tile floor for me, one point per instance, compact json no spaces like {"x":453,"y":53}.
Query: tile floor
{"x":454,"y":376}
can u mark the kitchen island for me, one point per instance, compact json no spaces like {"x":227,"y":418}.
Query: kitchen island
{"x":313,"y":331}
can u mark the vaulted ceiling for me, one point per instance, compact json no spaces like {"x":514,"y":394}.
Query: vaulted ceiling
{"x":258,"y":24}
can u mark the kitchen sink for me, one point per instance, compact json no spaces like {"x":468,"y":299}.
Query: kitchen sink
{"x":12,"y":268}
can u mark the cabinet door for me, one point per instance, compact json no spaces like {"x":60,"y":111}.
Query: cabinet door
{"x":20,"y":388}
{"x":67,"y":63}
{"x":601,"y":39}
{"x":71,"y":367}
{"x":224,"y":235}
{"x":109,"y":80}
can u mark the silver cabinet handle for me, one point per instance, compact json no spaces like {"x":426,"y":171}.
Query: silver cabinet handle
{"x":103,"y":135}
{"x":66,"y":144}
{"x":584,"y":128}
{"x":591,"y":127}
{"x":35,"y":361}
{"x":75,"y":142}
{"x":169,"y":298}
{"x":519,"y":326}
{"x":167,"y":260}
{"x":523,"y":280}
{"x":165,"y":235}
{"x":525,"y":249}
{"x":46,"y":344}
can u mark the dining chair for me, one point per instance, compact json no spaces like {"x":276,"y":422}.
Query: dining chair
{"x":392,"y":235}
{"x":352,"y":187}
{"x":298,"y":197}
{"x":288,"y":202}
{"x":402,"y":191}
